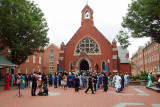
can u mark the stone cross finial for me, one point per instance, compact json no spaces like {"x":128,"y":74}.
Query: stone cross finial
{"x":87,"y":2}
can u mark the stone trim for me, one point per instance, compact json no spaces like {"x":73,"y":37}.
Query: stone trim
{"x":114,"y":49}
{"x":114,"y":56}
{"x":61,"y":52}
{"x":115,"y":70}
{"x":61,"y":58}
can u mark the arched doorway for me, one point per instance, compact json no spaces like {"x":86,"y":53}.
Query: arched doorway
{"x":84,"y":65}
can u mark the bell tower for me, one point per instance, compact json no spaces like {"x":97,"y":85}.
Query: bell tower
{"x":87,"y":16}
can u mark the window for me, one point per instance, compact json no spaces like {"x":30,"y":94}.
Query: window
{"x":51,"y":57}
{"x":39,"y":60}
{"x":34,"y":59}
{"x":103,"y":65}
{"x":152,"y":58}
{"x":39,"y":70}
{"x":51,"y":50}
{"x":87,"y":15}
{"x":51,"y":68}
{"x":51,"y":63}
{"x":9,"y":52}
{"x":158,"y":67}
{"x":40,"y":48}
{"x":157,"y":56}
{"x":19,"y":70}
{"x":87,"y":45}
{"x":33,"y":70}
{"x":71,"y":66}
{"x":26,"y":70}
{"x":27,"y":59}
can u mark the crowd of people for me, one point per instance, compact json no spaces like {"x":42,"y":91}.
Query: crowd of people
{"x":84,"y":80}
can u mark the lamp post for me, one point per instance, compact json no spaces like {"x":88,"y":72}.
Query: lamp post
{"x":156,"y":71}
{"x":108,"y":64}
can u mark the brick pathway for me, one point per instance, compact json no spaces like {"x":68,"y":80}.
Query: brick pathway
{"x":130,"y":97}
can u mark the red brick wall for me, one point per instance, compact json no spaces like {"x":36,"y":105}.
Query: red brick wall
{"x":125,"y":68}
{"x":47,"y":53}
{"x":30,"y":65}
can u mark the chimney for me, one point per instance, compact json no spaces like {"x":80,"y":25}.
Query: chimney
{"x":127,"y":54}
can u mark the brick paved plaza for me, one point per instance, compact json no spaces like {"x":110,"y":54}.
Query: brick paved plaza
{"x":130,"y":97}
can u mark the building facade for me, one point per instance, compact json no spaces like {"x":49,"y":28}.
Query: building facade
{"x":51,"y":56}
{"x":147,"y":59}
{"x":89,"y":50}
{"x":39,"y":62}
{"x":34,"y":63}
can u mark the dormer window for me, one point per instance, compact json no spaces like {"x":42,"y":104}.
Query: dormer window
{"x":87,"y":15}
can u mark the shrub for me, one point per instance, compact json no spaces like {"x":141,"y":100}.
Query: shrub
{"x":143,"y":75}
{"x":153,"y":79}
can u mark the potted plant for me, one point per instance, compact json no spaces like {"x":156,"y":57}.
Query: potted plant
{"x":143,"y":78}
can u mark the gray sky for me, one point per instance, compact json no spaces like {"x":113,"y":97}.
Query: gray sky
{"x":64,"y":18}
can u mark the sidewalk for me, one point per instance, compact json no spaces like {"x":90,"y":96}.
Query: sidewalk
{"x":131,"y":96}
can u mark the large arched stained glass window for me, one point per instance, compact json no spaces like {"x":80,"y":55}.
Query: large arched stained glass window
{"x":87,"y":45}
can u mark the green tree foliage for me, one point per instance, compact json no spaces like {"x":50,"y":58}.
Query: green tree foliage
{"x":143,"y":19}
{"x":132,"y":64}
{"x":122,"y":38}
{"x":23,"y":29}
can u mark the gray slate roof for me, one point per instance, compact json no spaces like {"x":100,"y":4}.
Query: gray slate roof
{"x":122,"y":55}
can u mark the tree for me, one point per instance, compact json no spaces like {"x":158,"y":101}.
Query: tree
{"x":132,"y":64}
{"x":23,"y":29}
{"x":143,"y":19}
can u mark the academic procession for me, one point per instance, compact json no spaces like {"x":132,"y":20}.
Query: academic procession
{"x":88,"y":71}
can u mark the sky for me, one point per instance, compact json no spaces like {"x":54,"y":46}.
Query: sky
{"x":64,"y":19}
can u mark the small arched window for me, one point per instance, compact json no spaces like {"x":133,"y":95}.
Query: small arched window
{"x":51,"y":51}
{"x":103,"y":65}
{"x":87,"y":15}
{"x":71,"y":66}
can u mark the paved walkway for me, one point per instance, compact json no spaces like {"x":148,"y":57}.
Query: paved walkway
{"x":132,"y":96}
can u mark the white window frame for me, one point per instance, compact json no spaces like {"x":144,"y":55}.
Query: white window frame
{"x":34,"y":58}
{"x":39,"y":59}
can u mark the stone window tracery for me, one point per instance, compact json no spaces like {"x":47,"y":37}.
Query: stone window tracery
{"x":87,"y":45}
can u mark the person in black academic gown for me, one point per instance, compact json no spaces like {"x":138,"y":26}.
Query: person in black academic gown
{"x":34,"y":86}
{"x":105,"y":82}
{"x":122,"y":81}
{"x":95,"y":82}
{"x":76,"y":83}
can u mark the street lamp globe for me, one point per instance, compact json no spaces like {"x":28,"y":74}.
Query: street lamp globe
{"x":108,"y":61}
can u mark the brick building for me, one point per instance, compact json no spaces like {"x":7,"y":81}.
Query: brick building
{"x":51,"y":55}
{"x":146,"y":58}
{"x":39,"y":62}
{"x":33,"y":63}
{"x":89,"y":50}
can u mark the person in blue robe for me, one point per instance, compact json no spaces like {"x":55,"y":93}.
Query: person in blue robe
{"x":70,"y":81}
{"x":53,"y":78}
{"x":55,"y":81}
{"x":22,"y":82}
{"x":150,"y":79}
{"x":97,"y":84}
{"x":100,"y":80}
{"x":126,"y":79}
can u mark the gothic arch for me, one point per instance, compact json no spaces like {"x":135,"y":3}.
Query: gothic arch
{"x":80,"y":60}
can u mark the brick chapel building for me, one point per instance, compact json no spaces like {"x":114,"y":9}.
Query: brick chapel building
{"x":89,"y":50}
